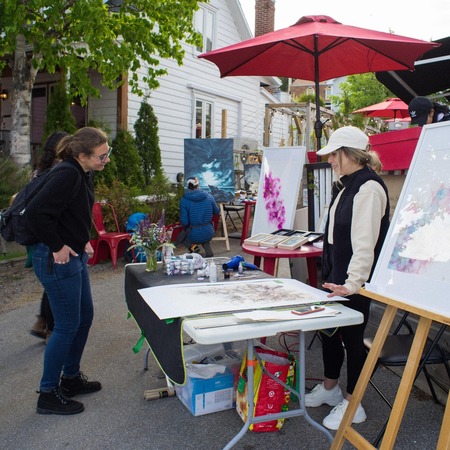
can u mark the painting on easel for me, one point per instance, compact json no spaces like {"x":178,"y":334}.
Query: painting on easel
{"x":414,"y":264}
{"x":252,"y":173}
{"x":279,"y":184}
{"x":211,"y":161}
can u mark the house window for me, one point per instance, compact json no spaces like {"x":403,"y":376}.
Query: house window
{"x":203,"y":119}
{"x":310,"y":91}
{"x":205,"y":24}
{"x":328,"y":93}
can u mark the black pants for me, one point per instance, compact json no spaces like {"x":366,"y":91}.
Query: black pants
{"x":348,"y":340}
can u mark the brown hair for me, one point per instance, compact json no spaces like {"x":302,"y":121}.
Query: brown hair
{"x":363,"y":157}
{"x":85,"y":140}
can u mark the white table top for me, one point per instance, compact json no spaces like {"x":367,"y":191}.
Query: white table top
{"x":225,"y":328}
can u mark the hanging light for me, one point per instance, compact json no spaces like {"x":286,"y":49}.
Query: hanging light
{"x":4,"y":94}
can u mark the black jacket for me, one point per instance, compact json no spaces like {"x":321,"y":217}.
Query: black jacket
{"x":61,"y":213}
{"x":336,"y":258}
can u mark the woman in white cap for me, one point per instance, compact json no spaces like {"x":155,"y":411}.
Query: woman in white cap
{"x":356,"y":227}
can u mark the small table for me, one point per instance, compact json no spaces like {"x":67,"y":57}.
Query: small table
{"x":249,"y":204}
{"x":271,"y":256}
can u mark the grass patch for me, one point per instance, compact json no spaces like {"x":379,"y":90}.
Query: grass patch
{"x":12,"y":255}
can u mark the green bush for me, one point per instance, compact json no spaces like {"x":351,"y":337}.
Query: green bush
{"x":122,"y":198}
{"x":12,"y":180}
{"x":58,"y":116}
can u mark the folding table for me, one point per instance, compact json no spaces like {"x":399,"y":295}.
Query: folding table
{"x":165,"y":337}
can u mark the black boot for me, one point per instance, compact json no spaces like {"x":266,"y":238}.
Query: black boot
{"x":39,"y":328}
{"x":55,"y":402}
{"x":208,"y":252}
{"x":78,"y":385}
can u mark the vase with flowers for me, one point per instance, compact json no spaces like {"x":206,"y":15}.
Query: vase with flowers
{"x":150,"y":237}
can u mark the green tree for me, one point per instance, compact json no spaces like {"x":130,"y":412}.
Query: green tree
{"x":359,"y":91}
{"x":147,"y":142}
{"x":303,"y":98}
{"x":112,"y":38}
{"x":58,"y":115}
{"x":127,"y":160}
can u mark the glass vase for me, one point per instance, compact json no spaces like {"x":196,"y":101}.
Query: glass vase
{"x":151,"y":263}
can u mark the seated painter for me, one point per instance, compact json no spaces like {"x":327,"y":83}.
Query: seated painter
{"x":197,"y":209}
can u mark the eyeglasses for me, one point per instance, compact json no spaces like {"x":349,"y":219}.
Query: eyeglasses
{"x":103,"y":157}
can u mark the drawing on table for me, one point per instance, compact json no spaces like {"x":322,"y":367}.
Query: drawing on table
{"x":192,"y":299}
{"x":269,"y":294}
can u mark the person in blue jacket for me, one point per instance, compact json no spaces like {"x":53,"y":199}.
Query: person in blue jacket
{"x":197,"y":209}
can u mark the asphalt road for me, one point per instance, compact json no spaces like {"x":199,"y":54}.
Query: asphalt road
{"x":118,"y":417}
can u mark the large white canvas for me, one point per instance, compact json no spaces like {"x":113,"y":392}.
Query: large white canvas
{"x":279,"y":184}
{"x":182,"y":300}
{"x":414,"y":265}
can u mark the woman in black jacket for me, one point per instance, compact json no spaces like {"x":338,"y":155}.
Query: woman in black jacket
{"x":60,"y":215}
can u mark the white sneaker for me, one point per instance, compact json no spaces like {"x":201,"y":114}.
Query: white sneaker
{"x":333,"y":420}
{"x":319,"y":395}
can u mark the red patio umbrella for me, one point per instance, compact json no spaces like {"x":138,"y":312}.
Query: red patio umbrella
{"x":318,"y":48}
{"x":391,"y":108}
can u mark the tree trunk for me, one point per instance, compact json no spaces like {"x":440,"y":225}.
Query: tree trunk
{"x":24,"y":76}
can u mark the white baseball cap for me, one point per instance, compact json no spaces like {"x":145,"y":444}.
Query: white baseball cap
{"x":345,"y":137}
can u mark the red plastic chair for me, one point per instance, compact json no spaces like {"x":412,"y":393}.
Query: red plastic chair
{"x":112,"y":239}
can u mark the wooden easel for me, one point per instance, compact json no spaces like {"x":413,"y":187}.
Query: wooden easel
{"x":225,"y":230}
{"x":346,"y":432}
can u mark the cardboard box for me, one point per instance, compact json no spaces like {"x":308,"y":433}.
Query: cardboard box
{"x":207,"y":395}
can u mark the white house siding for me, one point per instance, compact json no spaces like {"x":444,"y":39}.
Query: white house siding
{"x":104,"y":108}
{"x":174,"y":101}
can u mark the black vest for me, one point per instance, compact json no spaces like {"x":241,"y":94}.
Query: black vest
{"x":336,"y":257}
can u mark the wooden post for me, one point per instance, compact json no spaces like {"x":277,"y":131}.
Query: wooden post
{"x":223,"y":133}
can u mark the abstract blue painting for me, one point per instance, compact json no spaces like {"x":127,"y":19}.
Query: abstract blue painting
{"x":211,"y":161}
{"x":252,"y":173}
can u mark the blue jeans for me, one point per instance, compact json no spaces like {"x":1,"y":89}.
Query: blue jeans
{"x":69,"y":293}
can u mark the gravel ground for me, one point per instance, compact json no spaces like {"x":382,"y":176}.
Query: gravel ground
{"x":19,"y":286}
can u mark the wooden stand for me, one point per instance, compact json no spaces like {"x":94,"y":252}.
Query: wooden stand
{"x":346,"y":432}
{"x":225,"y":230}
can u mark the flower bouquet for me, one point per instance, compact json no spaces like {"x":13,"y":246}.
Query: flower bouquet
{"x":149,"y":238}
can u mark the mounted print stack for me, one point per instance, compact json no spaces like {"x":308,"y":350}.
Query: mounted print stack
{"x":284,"y":239}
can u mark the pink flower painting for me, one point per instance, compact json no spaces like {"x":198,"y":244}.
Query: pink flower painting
{"x":276,"y":211}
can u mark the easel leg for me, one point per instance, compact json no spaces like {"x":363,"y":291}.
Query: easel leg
{"x":225,"y":230}
{"x":444,"y":436}
{"x":406,"y":383}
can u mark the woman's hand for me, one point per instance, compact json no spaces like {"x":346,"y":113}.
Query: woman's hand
{"x":336,"y":289}
{"x":89,"y":250}
{"x":63,"y":256}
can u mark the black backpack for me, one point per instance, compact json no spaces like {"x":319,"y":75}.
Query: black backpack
{"x":13,"y":222}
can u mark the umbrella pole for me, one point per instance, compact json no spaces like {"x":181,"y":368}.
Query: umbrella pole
{"x":318,"y":123}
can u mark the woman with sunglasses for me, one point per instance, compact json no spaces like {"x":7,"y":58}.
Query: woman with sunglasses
{"x":60,"y":215}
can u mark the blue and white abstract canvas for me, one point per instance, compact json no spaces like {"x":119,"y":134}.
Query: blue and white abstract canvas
{"x":252,"y":173}
{"x":211,"y":161}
